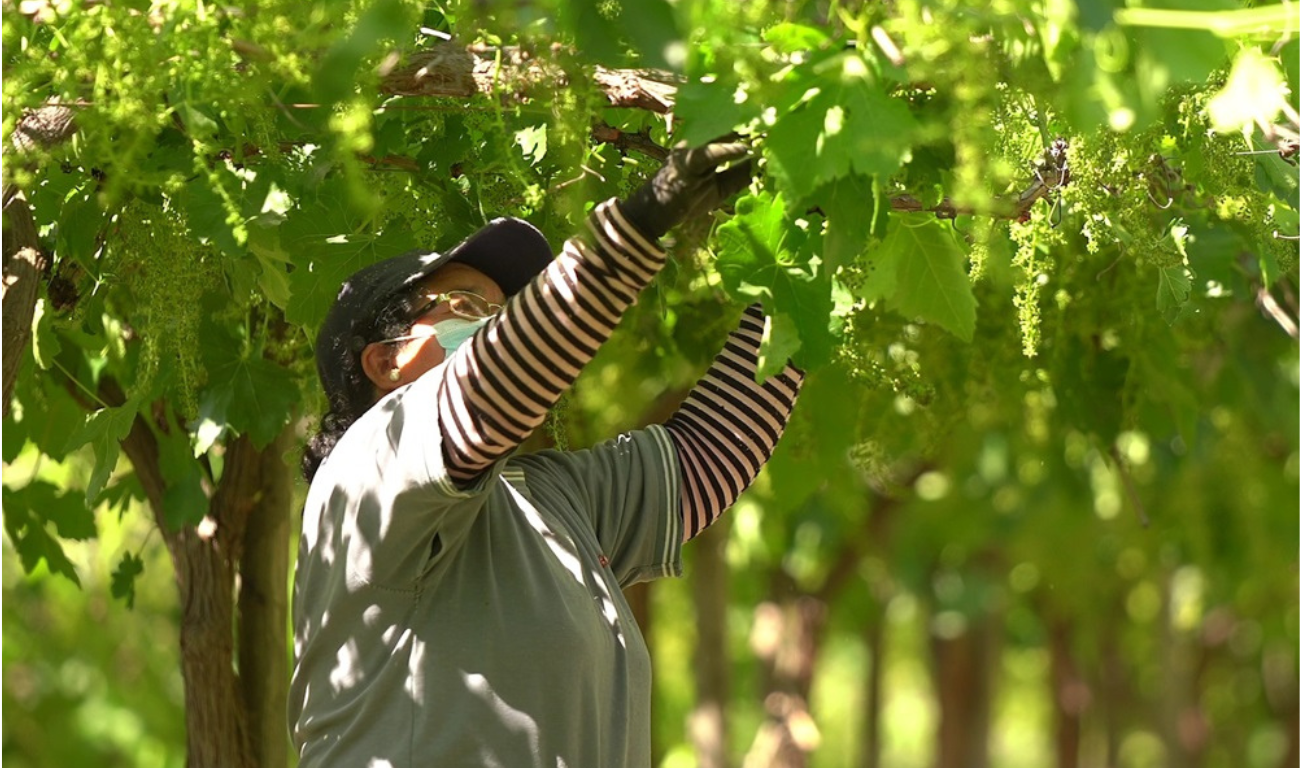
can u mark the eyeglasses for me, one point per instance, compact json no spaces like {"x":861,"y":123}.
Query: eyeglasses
{"x":463,"y":304}
{"x":466,"y":305}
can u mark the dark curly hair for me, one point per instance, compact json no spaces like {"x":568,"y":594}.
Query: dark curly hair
{"x":359,"y":392}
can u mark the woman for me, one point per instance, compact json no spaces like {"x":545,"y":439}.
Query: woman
{"x":455,"y":604}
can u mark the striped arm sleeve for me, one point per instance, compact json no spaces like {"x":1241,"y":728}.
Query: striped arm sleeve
{"x":728,"y":426}
{"x":517,"y":366}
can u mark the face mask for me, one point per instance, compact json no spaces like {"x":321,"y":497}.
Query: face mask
{"x":453,"y":332}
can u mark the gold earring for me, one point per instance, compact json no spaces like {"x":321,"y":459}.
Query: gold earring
{"x":394,"y":374}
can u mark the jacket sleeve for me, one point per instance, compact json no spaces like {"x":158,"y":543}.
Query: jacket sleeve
{"x":729,"y":425}
{"x":498,"y":390}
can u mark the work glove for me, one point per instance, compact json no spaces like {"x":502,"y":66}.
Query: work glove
{"x":688,"y":185}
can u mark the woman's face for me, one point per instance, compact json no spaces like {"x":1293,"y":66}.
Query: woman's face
{"x":411,"y":359}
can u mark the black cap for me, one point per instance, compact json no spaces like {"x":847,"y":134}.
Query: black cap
{"x":510,"y":251}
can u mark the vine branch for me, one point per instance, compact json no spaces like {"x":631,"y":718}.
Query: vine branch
{"x":1270,"y":306}
{"x":1053,"y":173}
{"x":1129,"y":488}
{"x":511,"y":72}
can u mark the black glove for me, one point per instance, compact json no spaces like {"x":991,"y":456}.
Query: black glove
{"x":688,"y":185}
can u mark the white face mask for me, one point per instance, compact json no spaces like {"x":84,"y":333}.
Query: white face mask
{"x":454,"y":331}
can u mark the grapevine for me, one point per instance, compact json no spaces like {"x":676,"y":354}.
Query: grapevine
{"x":167,"y":273}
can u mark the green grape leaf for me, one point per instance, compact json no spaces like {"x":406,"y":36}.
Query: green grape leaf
{"x":532,"y":142}
{"x":1170,"y":56}
{"x":381,"y":20}
{"x":121,"y":493}
{"x":184,"y":502}
{"x":788,"y":37}
{"x":208,"y":217}
{"x":752,"y":247}
{"x":779,"y":345}
{"x":1253,"y":95}
{"x":26,"y":529}
{"x":1174,"y":288}
{"x":1086,"y":387}
{"x":52,"y":193}
{"x":49,"y":415}
{"x":197,"y":123}
{"x":1273,"y":174}
{"x":80,"y":221}
{"x":710,"y":109}
{"x":274,"y":281}
{"x":104,"y":430}
{"x":920,"y":270}
{"x":69,"y":513}
{"x":821,"y":434}
{"x":249,"y":395}
{"x":327,"y":242}
{"x":604,"y":27}
{"x":13,"y":438}
{"x":847,"y":124}
{"x":45,"y":342}
{"x":122,"y":585}
{"x":849,"y":205}
{"x":758,"y":262}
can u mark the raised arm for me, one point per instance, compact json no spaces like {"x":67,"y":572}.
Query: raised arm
{"x":728,"y":425}
{"x":495,"y":393}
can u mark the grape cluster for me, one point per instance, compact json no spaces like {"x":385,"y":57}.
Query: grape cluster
{"x":166,"y":274}
{"x":1035,"y":258}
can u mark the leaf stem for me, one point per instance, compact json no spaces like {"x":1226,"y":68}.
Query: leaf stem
{"x":94,"y":397}
{"x":1129,"y":489}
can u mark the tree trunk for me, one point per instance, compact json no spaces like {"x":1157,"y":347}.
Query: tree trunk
{"x":964,"y":664}
{"x":23,"y":265}
{"x":874,"y":685}
{"x":24,"y":262}
{"x":224,"y":718}
{"x":1070,"y":694}
{"x":264,"y":608}
{"x":708,"y":722}
{"x":203,"y":557}
{"x":452,"y":70}
{"x":216,"y":724}
{"x":1114,"y":688}
{"x":786,"y":638}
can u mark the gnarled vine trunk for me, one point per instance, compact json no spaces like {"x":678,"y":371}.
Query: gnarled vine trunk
{"x":23,"y":265}
{"x":229,"y":718}
{"x":963,"y":664}
{"x":264,"y":607}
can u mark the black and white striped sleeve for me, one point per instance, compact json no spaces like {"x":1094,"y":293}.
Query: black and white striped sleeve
{"x":729,"y":425}
{"x":517,"y":366}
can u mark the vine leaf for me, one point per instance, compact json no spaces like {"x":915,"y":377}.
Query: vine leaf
{"x":209,"y":216}
{"x":851,"y":213}
{"x":708,"y":109}
{"x":382,"y":20}
{"x":780,"y":343}
{"x":123,"y":584}
{"x":28,"y":509}
{"x":45,"y":342}
{"x":1171,"y":294}
{"x":1252,"y":96}
{"x":251,"y":395}
{"x":326,"y":243}
{"x":80,"y":220}
{"x":601,"y":29}
{"x":851,"y":126}
{"x":104,"y":429}
{"x":759,"y":260}
{"x":184,"y":502}
{"x":919,"y":270}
